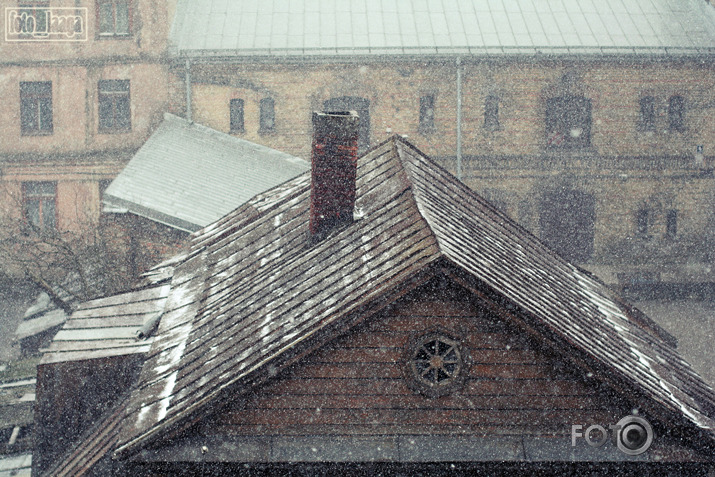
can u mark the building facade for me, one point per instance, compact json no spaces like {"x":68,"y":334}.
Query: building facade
{"x":84,"y":84}
{"x":594,"y":134}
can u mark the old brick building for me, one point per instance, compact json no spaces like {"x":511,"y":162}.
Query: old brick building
{"x":589,"y":123}
{"x":83,"y":85}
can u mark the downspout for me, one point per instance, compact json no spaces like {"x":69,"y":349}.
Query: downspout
{"x":188,"y":91}
{"x":459,"y":118}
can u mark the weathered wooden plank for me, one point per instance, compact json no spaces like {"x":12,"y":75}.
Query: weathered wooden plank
{"x":147,"y":294}
{"x":379,"y":429}
{"x":109,"y":321}
{"x":297,"y":305}
{"x":62,"y":346}
{"x":135,"y":308}
{"x":396,"y":355}
{"x":65,"y":356}
{"x":473,"y":341}
{"x":472,"y":387}
{"x":457,"y":400}
{"x":357,"y":295}
{"x":278,"y":418}
{"x":333,"y":253}
{"x":116,"y":332}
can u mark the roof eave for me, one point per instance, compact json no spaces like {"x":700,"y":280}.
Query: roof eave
{"x":439,"y":54}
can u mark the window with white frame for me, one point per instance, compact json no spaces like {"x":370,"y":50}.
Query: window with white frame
{"x":114,"y":106}
{"x":113,"y":17}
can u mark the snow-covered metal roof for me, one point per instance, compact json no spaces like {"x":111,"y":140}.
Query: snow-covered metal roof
{"x":295,"y":28}
{"x":187,"y":175}
{"x":107,"y":327}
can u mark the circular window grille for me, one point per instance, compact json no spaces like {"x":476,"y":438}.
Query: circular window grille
{"x":436,"y":361}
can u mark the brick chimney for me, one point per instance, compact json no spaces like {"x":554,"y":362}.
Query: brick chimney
{"x":334,"y":168}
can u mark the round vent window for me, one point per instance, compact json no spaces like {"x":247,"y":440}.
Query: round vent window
{"x":436,"y":363}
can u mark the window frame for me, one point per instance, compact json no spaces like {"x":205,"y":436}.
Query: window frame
{"x":31,"y":102}
{"x":644,"y":218}
{"x":43,"y":199}
{"x":647,"y":111}
{"x":415,"y":366}
{"x":676,"y":113}
{"x":427,"y":113}
{"x":237,"y":110}
{"x":267,"y":115}
{"x":30,"y":5}
{"x":491,"y":113}
{"x":113,"y":32}
{"x":112,"y":92}
{"x":562,"y":117}
{"x":671,"y":224}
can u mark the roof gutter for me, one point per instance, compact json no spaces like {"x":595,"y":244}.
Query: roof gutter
{"x":459,"y":118}
{"x":370,"y":54}
{"x":187,"y":79}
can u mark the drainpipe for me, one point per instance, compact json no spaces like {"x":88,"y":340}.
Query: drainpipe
{"x":188,"y":91}
{"x":459,"y":118}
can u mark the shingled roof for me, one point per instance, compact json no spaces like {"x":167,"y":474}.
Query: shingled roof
{"x":254,"y":292}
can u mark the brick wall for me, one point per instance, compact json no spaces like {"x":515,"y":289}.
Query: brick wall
{"x":625,"y":167}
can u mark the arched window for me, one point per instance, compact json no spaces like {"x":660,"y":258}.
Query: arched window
{"x":491,"y":113}
{"x":568,"y":122}
{"x":647,"y":119}
{"x":236,"y":115}
{"x":676,"y":113}
{"x":427,"y":113}
{"x":267,"y":120}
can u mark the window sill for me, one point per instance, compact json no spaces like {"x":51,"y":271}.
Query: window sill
{"x":114,"y":131}
{"x":113,"y":36}
{"x":266,"y":132}
{"x":36,"y":133}
{"x":237,"y":131}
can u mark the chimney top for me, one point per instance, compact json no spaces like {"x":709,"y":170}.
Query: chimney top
{"x":334,"y":170}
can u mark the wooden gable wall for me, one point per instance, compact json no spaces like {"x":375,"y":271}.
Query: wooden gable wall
{"x":358,"y":385}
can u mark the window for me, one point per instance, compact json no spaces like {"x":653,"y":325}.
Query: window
{"x":113,"y":17}
{"x":642,"y":222}
{"x":236,"y":115}
{"x":33,"y":18}
{"x":427,"y":113}
{"x":568,"y":122}
{"x":676,"y":113}
{"x":436,"y":363}
{"x":647,"y":119}
{"x":671,"y":224}
{"x":39,"y":204}
{"x":36,"y":107}
{"x":114,"y":111}
{"x":267,"y":120}
{"x":491,"y":113}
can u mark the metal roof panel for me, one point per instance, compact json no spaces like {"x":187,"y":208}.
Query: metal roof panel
{"x":169,"y":177}
{"x":399,"y":26}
